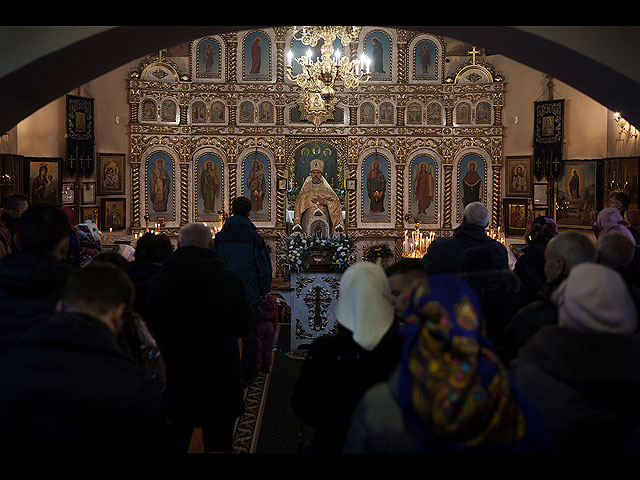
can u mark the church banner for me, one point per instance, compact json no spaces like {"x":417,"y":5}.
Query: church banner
{"x":548,"y":137}
{"x":80,"y":137}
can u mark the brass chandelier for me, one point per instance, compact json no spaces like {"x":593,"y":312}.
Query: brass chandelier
{"x":317,"y":98}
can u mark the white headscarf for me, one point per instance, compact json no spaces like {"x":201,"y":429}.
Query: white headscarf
{"x":365,"y":306}
{"x":595,"y":298}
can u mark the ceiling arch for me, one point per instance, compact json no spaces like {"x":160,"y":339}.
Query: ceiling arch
{"x":43,"y":63}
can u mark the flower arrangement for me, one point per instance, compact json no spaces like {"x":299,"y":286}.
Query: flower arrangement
{"x":378,"y":251}
{"x":298,"y":246}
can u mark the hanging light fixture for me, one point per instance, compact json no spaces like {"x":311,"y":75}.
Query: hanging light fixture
{"x":317,"y":98}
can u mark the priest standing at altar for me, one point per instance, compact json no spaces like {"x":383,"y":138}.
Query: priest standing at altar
{"x":317,"y":201}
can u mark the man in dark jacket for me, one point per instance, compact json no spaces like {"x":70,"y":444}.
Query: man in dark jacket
{"x":245,"y":253}
{"x":68,"y":385}
{"x":32,"y":278}
{"x":563,"y":252}
{"x":198,"y":310}
{"x":471,"y":233}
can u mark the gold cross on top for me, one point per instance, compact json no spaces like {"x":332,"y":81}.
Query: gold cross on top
{"x":473,"y":53}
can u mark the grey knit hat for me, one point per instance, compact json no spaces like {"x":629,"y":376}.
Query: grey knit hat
{"x":595,"y":299}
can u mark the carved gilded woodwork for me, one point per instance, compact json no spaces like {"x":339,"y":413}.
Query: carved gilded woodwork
{"x":422,"y":116}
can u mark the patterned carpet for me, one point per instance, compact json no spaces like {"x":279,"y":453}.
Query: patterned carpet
{"x":268,"y":424}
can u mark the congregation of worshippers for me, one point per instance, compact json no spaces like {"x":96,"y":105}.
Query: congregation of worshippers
{"x":455,"y":352}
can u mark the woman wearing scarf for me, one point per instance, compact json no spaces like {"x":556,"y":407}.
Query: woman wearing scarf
{"x":89,"y":242}
{"x":450,"y":392}
{"x":583,"y":374}
{"x":340,"y":367}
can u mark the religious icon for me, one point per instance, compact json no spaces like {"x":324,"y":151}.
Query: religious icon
{"x":576,"y":204}
{"x":169,"y":111}
{"x":471,"y":182}
{"x":90,"y":213}
{"x":375,"y":183}
{"x":518,"y":176}
{"x":114,"y":213}
{"x":209,"y":186}
{"x":256,"y":185}
{"x":256,"y":56}
{"x":515,"y":216}
{"x":209,"y":58}
{"x":425,"y":60}
{"x":149,"y":110}
{"x":422,"y":190}
{"x":160,"y":184}
{"x":44,"y":183}
{"x":377,"y":47}
{"x":111,"y":167}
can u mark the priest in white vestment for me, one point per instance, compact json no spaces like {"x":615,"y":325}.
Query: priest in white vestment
{"x":317,"y":201}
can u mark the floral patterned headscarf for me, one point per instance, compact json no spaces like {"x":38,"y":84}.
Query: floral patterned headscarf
{"x":453,"y":387}
{"x":89,"y":241}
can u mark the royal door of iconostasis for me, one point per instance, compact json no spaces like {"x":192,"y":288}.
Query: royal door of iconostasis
{"x":217,"y":118}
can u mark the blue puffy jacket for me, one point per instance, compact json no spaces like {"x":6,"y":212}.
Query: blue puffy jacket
{"x":245,"y":253}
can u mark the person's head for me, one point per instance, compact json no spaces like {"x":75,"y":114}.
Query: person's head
{"x":153,"y":248}
{"x":632,"y":217}
{"x":402,"y":275}
{"x":542,"y":229}
{"x":195,"y":235}
{"x":316,"y":168}
{"x":595,"y":299}
{"x":44,"y":229}
{"x":616,"y":248}
{"x":606,"y":218}
{"x":241,"y":206}
{"x":17,"y":203}
{"x":364,"y":306}
{"x":101,"y":290}
{"x":476,"y":214}
{"x":448,"y":357}
{"x":620,"y":200}
{"x":111,"y":258}
{"x":565,"y":251}
{"x":89,"y":241}
{"x":444,"y":255}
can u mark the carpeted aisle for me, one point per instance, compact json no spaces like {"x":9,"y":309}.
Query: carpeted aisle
{"x":279,"y":429}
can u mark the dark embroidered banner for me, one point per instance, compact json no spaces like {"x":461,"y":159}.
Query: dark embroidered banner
{"x":80,"y":138}
{"x":547,"y":139}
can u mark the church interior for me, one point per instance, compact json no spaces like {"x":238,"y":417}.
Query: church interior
{"x":152,"y":128}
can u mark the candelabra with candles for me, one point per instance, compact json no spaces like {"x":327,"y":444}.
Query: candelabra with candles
{"x":497,"y":234}
{"x":416,"y":242}
{"x":317,"y":79}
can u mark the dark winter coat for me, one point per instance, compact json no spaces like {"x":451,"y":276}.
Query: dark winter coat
{"x":197,"y":312}
{"x":497,"y":291}
{"x":528,"y":320}
{"x":529,"y":269}
{"x":244,"y":252}
{"x":69,"y":386}
{"x":141,"y":272}
{"x":334,"y":376}
{"x":30,"y":286}
{"x":470,"y":235}
{"x":586,"y":387}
